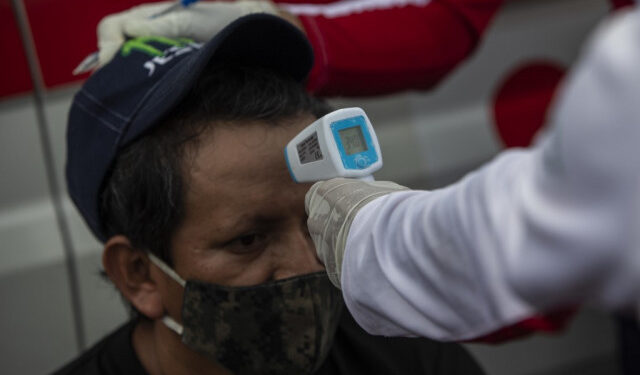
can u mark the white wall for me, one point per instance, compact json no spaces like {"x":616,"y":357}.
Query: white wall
{"x":428,"y":139}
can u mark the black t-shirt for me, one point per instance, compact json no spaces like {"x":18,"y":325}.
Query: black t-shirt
{"x":354,"y":352}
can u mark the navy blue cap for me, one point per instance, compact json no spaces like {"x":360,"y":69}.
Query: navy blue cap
{"x":147,"y":79}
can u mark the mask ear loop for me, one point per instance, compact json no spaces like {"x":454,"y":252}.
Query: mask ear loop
{"x":166,"y":269}
{"x":167,"y":320}
{"x":172,"y":324}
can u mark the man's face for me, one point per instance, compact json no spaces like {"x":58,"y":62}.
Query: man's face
{"x":244,"y":221}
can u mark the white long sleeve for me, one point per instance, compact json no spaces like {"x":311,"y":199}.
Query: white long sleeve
{"x":534,"y":229}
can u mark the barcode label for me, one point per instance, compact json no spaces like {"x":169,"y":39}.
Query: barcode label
{"x":309,"y":149}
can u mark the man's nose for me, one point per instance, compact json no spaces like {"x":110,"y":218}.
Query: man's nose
{"x":297,"y":256}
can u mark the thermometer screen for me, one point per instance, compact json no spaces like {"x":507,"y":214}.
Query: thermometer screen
{"x":353,"y":140}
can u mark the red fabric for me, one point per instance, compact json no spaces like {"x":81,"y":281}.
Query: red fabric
{"x":477,"y":13}
{"x":14,"y":74}
{"x":621,"y":3}
{"x":522,"y":100}
{"x":389,"y":50}
{"x":551,"y":322}
{"x":64,"y":33}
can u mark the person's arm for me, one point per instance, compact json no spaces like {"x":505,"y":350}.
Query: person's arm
{"x":432,"y":263}
{"x":368,"y":47}
{"x":533,"y":230}
{"x":362,"y":47}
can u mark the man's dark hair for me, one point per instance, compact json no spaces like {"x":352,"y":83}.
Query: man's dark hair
{"x":143,"y":197}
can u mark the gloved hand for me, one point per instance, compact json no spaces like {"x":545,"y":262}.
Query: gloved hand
{"x":200,"y":21}
{"x":332,"y":205}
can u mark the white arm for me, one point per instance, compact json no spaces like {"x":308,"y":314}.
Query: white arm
{"x":532,"y":230}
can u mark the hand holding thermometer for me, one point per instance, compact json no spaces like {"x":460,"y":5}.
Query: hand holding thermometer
{"x":91,"y":61}
{"x":340,"y":144}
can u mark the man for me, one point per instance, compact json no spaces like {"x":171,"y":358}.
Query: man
{"x":175,"y":162}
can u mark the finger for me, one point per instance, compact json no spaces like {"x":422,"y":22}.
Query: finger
{"x":310,"y":196}
{"x":318,"y":217}
{"x":107,"y":51}
{"x":110,"y":30}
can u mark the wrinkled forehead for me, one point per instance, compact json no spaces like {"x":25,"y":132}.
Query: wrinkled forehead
{"x":242,"y":162}
{"x":244,"y":148}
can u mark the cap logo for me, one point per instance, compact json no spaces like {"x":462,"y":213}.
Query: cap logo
{"x":152,"y":46}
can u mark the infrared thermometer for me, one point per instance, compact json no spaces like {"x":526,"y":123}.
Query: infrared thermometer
{"x":340,"y":144}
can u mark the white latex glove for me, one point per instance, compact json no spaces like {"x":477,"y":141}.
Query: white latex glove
{"x":332,"y":205}
{"x":200,"y":21}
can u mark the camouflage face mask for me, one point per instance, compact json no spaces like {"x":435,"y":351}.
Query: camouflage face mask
{"x":281,"y":327}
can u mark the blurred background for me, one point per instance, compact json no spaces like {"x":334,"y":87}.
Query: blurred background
{"x":53,"y":302}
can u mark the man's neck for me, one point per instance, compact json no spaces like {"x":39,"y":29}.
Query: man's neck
{"x":161,"y":352}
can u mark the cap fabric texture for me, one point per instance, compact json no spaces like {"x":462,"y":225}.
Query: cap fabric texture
{"x":147,"y":79}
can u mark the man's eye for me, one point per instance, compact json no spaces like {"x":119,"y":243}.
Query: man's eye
{"x":248,"y":240}
{"x":248,"y":243}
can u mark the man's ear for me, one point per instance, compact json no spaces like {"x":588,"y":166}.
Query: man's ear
{"x":129,"y":269}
